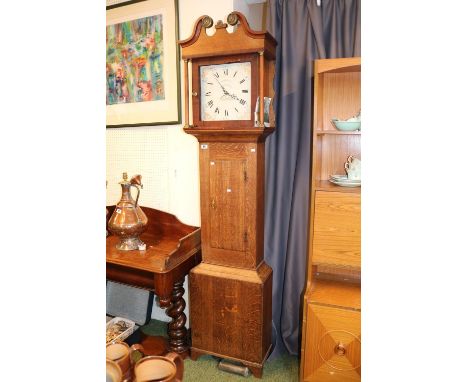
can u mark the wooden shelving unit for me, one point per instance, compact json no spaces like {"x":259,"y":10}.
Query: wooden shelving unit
{"x":331,"y":338}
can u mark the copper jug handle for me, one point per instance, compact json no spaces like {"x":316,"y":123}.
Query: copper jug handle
{"x":179,"y":364}
{"x":137,"y":352}
{"x":138,"y":195}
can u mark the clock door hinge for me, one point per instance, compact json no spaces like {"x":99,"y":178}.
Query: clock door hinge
{"x":245,"y":237}
{"x":245,"y":176}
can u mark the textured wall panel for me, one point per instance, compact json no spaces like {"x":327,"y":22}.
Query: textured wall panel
{"x":139,"y":150}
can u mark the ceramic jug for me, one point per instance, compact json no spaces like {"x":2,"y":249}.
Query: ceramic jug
{"x":168,"y":368}
{"x":124,"y":356}
{"x":353,"y":168}
{"x":113,"y":371}
{"x":128,"y":221}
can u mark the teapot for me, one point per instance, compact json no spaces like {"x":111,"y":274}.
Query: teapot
{"x":128,"y":221}
{"x":353,"y":168}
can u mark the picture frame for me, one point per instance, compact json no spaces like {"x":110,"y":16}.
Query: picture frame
{"x":142,"y":63}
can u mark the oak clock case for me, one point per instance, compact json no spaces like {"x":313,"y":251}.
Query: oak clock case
{"x":231,"y":289}
{"x":223,"y":91}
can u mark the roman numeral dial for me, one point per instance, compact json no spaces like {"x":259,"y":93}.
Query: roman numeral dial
{"x":225,"y":92}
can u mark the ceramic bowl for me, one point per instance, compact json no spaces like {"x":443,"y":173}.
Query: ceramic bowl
{"x":346,"y":125}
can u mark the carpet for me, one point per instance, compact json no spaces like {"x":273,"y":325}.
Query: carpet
{"x":282,"y":369}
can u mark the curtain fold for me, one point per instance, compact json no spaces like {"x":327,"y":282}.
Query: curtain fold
{"x":304,"y":32}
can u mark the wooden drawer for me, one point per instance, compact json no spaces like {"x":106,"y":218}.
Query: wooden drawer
{"x":337,"y":229}
{"x":332,"y":351}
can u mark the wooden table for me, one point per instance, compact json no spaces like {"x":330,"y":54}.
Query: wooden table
{"x":172,"y":249}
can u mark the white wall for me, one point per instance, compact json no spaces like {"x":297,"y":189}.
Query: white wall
{"x":165,"y":156}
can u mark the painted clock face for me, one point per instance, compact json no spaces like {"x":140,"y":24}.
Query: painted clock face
{"x":225,"y":92}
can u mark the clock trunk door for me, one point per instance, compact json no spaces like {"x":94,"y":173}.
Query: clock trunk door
{"x":228,"y":204}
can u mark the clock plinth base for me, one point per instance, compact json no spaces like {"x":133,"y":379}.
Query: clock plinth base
{"x":255,"y":368}
{"x":231,"y":313}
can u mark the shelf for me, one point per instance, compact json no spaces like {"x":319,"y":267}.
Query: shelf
{"x":338,"y":65}
{"x":337,"y":132}
{"x":337,"y":272}
{"x":330,"y":292}
{"x":325,"y":185}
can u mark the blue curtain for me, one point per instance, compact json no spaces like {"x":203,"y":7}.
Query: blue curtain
{"x":304,"y":32}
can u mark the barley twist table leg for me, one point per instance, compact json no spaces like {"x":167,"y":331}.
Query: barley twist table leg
{"x":176,"y":329}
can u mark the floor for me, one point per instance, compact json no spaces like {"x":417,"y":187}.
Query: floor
{"x":282,"y":369}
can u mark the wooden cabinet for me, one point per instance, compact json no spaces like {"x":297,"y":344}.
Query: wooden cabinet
{"x":331,"y":339}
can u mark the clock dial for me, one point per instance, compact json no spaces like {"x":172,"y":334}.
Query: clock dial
{"x":225,"y":92}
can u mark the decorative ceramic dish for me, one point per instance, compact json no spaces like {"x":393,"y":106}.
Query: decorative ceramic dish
{"x":344,"y":178}
{"x":343,"y":181}
{"x":350,"y":124}
{"x":346,"y":184}
{"x":339,"y":177}
{"x":346,"y":125}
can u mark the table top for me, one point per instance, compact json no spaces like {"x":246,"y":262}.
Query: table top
{"x":168,"y":241}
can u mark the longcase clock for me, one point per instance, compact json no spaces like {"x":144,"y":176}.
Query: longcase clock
{"x":229,"y":83}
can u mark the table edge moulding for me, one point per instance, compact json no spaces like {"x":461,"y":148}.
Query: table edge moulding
{"x":331,"y":339}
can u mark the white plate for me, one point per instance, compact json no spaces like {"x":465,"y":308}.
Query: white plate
{"x":344,"y":178}
{"x":338,"y":176}
{"x":345,"y":184}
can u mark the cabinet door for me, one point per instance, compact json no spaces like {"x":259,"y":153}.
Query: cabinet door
{"x":229,"y":203}
{"x":332,"y":351}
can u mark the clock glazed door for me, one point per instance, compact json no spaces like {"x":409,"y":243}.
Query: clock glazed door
{"x":228,"y":203}
{"x":225,"y":90}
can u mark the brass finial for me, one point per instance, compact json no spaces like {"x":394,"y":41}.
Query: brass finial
{"x":232,"y":18}
{"x":220,"y":24}
{"x":207,"y":22}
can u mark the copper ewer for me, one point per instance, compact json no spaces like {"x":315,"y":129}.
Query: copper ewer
{"x":128,"y":221}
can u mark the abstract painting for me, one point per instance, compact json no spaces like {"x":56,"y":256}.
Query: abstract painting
{"x":135,"y":61}
{"x":142,"y":63}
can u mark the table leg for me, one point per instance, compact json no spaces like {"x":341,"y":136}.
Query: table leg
{"x":176,"y":329}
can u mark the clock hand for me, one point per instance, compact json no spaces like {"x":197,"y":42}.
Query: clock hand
{"x":222,"y":87}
